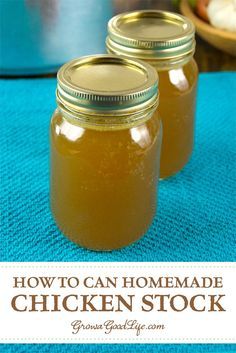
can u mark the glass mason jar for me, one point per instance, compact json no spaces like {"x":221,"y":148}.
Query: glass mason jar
{"x":166,"y":41}
{"x":105,"y":151}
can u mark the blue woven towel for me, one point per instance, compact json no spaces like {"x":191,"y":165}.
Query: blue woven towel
{"x":196,"y":215}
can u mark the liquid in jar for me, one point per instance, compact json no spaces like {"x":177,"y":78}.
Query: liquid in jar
{"x":166,"y":41}
{"x":105,"y":152}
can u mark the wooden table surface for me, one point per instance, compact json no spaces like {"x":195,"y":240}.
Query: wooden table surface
{"x":212,"y":59}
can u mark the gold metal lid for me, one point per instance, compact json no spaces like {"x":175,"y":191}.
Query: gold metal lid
{"x":151,"y":34}
{"x":106,"y":86}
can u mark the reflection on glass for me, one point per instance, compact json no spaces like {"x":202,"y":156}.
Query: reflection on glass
{"x":71,"y":132}
{"x":141,"y":135}
{"x":178,"y":79}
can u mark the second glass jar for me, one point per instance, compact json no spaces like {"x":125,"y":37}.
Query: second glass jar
{"x":166,"y":41}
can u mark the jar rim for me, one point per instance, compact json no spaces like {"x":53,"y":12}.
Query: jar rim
{"x":106,"y":83}
{"x":109,"y":122}
{"x":131,"y":34}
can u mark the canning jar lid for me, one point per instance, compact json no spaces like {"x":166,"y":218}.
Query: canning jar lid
{"x":150,"y":34}
{"x":101,"y":88}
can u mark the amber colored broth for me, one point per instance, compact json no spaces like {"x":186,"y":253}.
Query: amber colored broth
{"x":177,"y":111}
{"x":103,"y":183}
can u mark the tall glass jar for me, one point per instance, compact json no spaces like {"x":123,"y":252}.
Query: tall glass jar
{"x":166,"y":41}
{"x":105,"y":151}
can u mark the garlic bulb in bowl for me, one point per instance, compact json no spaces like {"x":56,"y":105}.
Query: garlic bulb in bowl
{"x":222,"y":14}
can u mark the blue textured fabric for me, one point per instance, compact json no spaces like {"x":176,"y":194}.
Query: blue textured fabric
{"x":118,"y":348}
{"x":196,"y":215}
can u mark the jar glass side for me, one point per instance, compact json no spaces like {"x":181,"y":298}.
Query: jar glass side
{"x":103,"y":183}
{"x":178,"y":88}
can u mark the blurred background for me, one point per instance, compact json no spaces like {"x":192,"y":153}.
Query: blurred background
{"x":38,"y":36}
